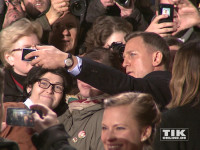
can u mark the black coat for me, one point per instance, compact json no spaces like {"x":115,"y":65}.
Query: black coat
{"x":112,"y":81}
{"x":7,"y":144}
{"x":180,"y":117}
{"x":12,"y":92}
{"x":52,"y":138}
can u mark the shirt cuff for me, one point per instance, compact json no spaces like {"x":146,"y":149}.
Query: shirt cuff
{"x":77,"y":68}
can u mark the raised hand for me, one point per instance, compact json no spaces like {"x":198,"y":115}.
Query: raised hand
{"x":48,"y":57}
{"x":163,"y":29}
{"x":49,"y":118}
{"x":188,"y":15}
{"x":57,"y":9}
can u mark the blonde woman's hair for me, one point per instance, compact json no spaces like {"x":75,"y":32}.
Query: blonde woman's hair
{"x":11,"y":34}
{"x":145,"y":111}
{"x":185,"y":82}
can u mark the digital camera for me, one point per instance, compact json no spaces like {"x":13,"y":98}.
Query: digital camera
{"x":118,"y":47}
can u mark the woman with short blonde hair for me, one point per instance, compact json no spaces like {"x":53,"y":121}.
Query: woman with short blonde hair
{"x":13,"y":39}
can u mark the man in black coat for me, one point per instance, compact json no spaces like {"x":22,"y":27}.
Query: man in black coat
{"x":146,"y":59}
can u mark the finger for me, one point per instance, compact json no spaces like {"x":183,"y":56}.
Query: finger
{"x":41,"y":107}
{"x":166,"y":25}
{"x":165,"y":35}
{"x":36,"y":117}
{"x":32,"y":54}
{"x":159,"y":17}
{"x":3,"y":126}
{"x":36,"y":62}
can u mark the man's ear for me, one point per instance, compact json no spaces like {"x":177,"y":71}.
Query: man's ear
{"x":146,"y":133}
{"x":157,"y":58}
{"x":10,"y":59}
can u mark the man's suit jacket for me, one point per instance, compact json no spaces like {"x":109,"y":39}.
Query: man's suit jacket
{"x":112,"y":81}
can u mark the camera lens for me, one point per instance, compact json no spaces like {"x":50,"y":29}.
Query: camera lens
{"x":77,"y":7}
{"x":124,"y":3}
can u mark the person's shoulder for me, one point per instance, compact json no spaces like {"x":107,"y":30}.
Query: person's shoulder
{"x":14,"y":105}
{"x":163,"y":74}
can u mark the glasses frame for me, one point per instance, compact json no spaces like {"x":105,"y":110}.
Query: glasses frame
{"x":17,"y":49}
{"x":50,"y":84}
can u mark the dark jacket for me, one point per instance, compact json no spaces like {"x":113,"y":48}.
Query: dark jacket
{"x":53,"y":138}
{"x":8,"y":145}
{"x":180,"y":117}
{"x":112,"y":81}
{"x":12,"y":92}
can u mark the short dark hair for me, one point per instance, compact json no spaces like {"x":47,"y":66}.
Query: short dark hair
{"x":36,"y":72}
{"x":156,"y":41}
{"x":104,"y":56}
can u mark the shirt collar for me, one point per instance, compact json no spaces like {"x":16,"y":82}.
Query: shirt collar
{"x":28,"y":103}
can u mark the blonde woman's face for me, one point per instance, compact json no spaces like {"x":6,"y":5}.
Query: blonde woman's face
{"x":119,"y":130}
{"x":15,"y":58}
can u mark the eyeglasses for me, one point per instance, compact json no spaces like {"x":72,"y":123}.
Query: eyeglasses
{"x":46,"y":84}
{"x":17,"y":49}
{"x":13,"y":2}
{"x":20,"y":49}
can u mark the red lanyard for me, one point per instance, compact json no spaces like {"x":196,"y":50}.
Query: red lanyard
{"x":17,"y":83}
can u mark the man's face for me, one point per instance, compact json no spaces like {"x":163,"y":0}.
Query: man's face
{"x":36,"y":7}
{"x":14,"y":12}
{"x":64,"y":33}
{"x":138,"y":58}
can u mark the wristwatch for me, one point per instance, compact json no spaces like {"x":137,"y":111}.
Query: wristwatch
{"x":69,"y":61}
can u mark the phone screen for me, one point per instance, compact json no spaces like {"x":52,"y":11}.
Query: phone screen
{"x":166,"y":9}
{"x":26,"y":51}
{"x":19,"y":117}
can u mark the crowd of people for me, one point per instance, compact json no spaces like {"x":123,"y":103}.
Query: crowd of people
{"x":99,"y":74}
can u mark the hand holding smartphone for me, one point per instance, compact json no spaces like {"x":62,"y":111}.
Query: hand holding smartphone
{"x":26,"y":51}
{"x":21,"y":117}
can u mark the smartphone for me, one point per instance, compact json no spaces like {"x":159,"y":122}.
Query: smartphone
{"x":166,"y":9}
{"x":26,"y":51}
{"x":21,"y":117}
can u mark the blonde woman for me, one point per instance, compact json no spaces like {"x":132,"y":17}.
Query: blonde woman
{"x":21,"y":34}
{"x":129,"y":121}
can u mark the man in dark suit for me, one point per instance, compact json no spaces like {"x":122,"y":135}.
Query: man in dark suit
{"x":146,"y":59}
